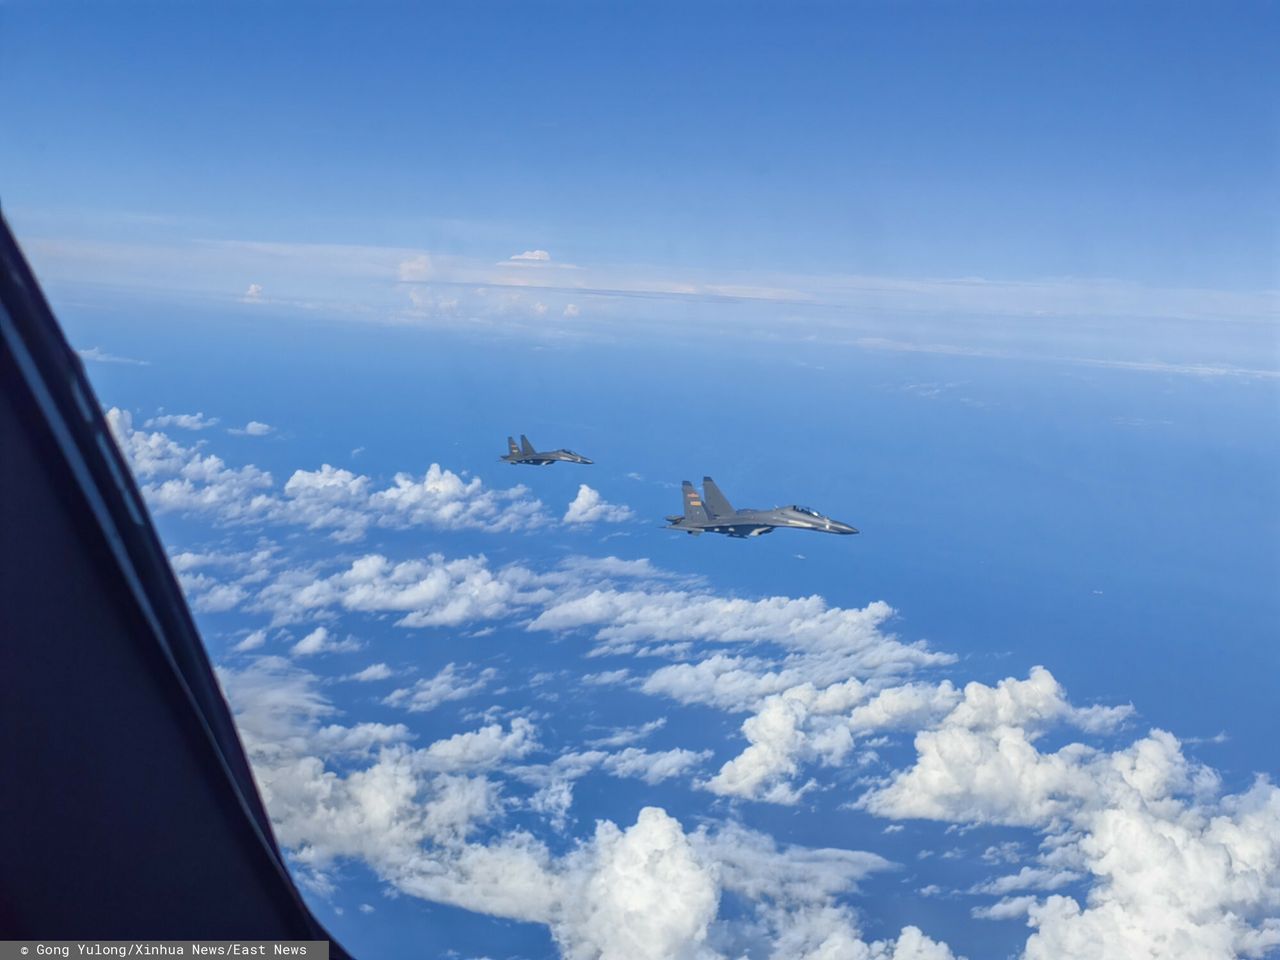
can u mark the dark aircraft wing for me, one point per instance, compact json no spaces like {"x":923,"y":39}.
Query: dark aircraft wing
{"x":747,"y":529}
{"x":128,"y":809}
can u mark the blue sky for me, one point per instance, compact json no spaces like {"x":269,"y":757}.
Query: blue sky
{"x":996,"y":284}
{"x":1015,"y":142}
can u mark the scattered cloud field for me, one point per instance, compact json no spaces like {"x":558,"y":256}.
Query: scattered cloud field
{"x":1119,"y":844}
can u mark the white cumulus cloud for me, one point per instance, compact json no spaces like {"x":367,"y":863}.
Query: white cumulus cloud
{"x":252,"y":641}
{"x":636,"y":894}
{"x":320,"y":640}
{"x":449,"y":684}
{"x":375,"y":671}
{"x":254,"y":428}
{"x":1178,"y":870}
{"x":589,"y":507}
{"x":182,"y":479}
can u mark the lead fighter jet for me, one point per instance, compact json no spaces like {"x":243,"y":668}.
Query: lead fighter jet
{"x":713,"y":513}
{"x":526,"y":454}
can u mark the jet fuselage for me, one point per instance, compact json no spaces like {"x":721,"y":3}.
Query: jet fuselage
{"x":712,"y":513}
{"x":524,"y":453}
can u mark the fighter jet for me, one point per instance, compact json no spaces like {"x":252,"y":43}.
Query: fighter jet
{"x":526,"y":454}
{"x":712,"y":513}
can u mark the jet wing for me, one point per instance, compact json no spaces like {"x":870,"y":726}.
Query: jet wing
{"x":747,"y":529}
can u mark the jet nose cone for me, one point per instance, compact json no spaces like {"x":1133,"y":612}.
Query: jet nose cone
{"x":585,"y":460}
{"x":842,"y":528}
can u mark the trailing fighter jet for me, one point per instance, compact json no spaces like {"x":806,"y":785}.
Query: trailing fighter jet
{"x":712,"y":513}
{"x":526,"y":454}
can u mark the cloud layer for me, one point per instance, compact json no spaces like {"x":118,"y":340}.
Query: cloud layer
{"x":648,"y":890}
{"x":1129,"y":850}
{"x":183,"y":479}
{"x":1173,"y":867}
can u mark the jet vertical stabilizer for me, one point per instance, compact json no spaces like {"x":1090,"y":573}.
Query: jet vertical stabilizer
{"x":694,"y":509}
{"x":717,"y":503}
